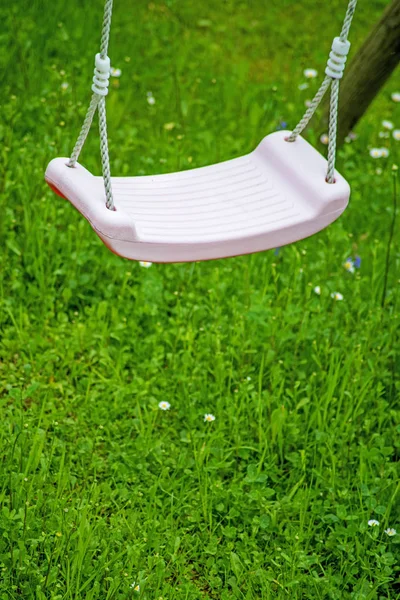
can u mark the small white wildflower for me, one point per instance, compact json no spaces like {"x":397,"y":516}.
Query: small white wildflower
{"x":248,"y":378}
{"x":150,"y":98}
{"x":396,"y":96}
{"x":373,"y":523}
{"x":390,"y":531}
{"x":317,"y":290}
{"x":349,"y":265}
{"x":384,"y":152}
{"x":337,"y":296}
{"x":135,"y":586}
{"x":310,"y":73}
{"x":144,"y":263}
{"x":387,"y":124}
{"x":396,"y":135}
{"x":383,"y":134}
{"x":208,"y":417}
{"x":324,"y":139}
{"x":351,"y":137}
{"x":303,"y":86}
{"x":115,"y":72}
{"x":164,"y":405}
{"x":375,"y":152}
{"x":64,"y":86}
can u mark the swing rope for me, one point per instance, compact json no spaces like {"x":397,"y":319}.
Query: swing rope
{"x":98,"y":102}
{"x":334,"y":72}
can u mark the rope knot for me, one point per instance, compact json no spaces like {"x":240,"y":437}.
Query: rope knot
{"x":101,"y":75}
{"x":337,"y":58}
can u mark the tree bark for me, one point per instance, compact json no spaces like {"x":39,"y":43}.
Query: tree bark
{"x":368,"y":70}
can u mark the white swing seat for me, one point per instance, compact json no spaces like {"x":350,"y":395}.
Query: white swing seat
{"x":271,"y":197}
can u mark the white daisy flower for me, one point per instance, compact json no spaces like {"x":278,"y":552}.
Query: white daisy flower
{"x":164,"y":405}
{"x":208,"y":417}
{"x":384,"y":152}
{"x":64,"y":86}
{"x":310,"y":73}
{"x":145,"y":264}
{"x":317,"y":290}
{"x":396,"y":96}
{"x":324,"y":139}
{"x":135,"y":586}
{"x":387,"y":124}
{"x":337,"y":296}
{"x":375,"y":152}
{"x":115,"y":72}
{"x":373,"y":523}
{"x":150,"y":98}
{"x":349,"y":265}
{"x":396,"y":135}
{"x":390,"y":531}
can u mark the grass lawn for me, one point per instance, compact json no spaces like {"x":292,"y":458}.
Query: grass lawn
{"x":103,"y":495}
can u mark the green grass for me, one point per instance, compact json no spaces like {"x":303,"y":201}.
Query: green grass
{"x":99,"y":488}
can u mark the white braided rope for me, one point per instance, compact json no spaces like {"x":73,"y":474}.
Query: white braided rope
{"x":105,"y":32}
{"x":98,"y":101}
{"x":351,"y":8}
{"x":105,"y":161}
{"x":302,"y":124}
{"x":334,"y":103}
{"x":87,"y":123}
{"x":333,"y":117}
{"x":334,"y":72}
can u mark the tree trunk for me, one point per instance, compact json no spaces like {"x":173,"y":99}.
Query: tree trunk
{"x":368,"y":70}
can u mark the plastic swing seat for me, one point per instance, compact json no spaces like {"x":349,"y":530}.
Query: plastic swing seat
{"x":271,"y":197}
{"x":280,"y":193}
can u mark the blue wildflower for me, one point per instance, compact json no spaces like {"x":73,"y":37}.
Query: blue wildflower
{"x":357,"y":262}
{"x":282,"y":125}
